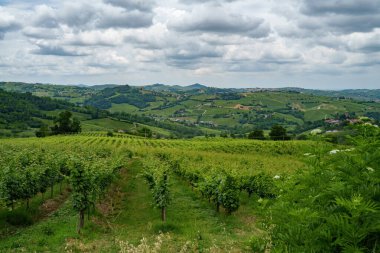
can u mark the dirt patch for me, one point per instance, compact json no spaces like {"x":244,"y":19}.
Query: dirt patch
{"x":243,"y":107}
{"x":52,"y":205}
{"x":249,"y":219}
{"x":298,"y":107}
{"x":110,"y":203}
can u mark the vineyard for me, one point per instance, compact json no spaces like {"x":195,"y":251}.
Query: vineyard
{"x":93,"y":193}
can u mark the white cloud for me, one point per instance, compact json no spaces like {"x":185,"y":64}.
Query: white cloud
{"x":225,"y":42}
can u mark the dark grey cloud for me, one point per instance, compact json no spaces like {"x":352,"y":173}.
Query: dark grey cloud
{"x":80,"y":16}
{"x":56,"y":51}
{"x":366,"y":63}
{"x":40,"y":33}
{"x":143,"y":43}
{"x":248,"y":66}
{"x":222,"y":23}
{"x":207,"y":1}
{"x":127,"y":19}
{"x":346,"y":7}
{"x":341,"y":16}
{"x":271,"y":58}
{"x":8,"y":24}
{"x":142,"y":5}
{"x":268,"y":61}
{"x":364,"y":43}
{"x":338,"y":24}
{"x":85,"y":16}
{"x":371,"y":47}
{"x":189,"y":55}
{"x":45,"y":16}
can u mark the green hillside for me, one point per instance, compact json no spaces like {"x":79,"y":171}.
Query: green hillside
{"x":239,"y":112}
{"x":21,"y":114}
{"x":178,"y":109}
{"x":359,"y":94}
{"x":73,"y":94}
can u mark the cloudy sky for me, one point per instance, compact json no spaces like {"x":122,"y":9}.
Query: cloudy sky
{"x":329,"y":44}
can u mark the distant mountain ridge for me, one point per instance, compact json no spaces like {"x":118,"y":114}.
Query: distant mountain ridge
{"x":175,"y":88}
{"x":360,"y":94}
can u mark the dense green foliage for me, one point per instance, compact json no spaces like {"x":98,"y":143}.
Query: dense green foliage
{"x":19,"y":111}
{"x":66,"y":124}
{"x":27,"y":172}
{"x":278,"y":132}
{"x":119,"y":95}
{"x":156,"y":174}
{"x":257,"y":134}
{"x":333,"y":206}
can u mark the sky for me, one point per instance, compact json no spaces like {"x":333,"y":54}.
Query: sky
{"x":324,"y":44}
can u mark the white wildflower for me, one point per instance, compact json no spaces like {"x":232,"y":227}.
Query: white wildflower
{"x":370,"y":169}
{"x":334,"y":151}
{"x":277,"y":177}
{"x":316,"y":131}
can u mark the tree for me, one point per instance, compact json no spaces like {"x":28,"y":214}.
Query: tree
{"x":210,"y":189}
{"x":66,"y":124}
{"x":156,"y":174}
{"x":75,"y":126}
{"x":43,"y":131}
{"x":223,"y":134}
{"x":82,"y":187}
{"x":257,"y":134}
{"x":11,"y":186}
{"x":229,"y":194}
{"x":222,"y":190}
{"x":161,"y":193}
{"x":278,"y":132}
{"x":146,"y":132}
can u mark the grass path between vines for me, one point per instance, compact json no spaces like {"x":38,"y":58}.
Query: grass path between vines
{"x":190,"y":218}
{"x":127,"y":214}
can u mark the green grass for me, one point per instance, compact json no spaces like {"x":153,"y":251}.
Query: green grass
{"x":108,"y":124}
{"x":127,"y":213}
{"x":52,"y":222}
{"x":105,"y":124}
{"x":123,"y":108}
{"x":189,"y":218}
{"x":80,"y":116}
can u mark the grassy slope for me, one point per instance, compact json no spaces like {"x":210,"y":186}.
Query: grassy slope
{"x":108,"y":124}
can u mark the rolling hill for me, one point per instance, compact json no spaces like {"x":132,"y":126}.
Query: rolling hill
{"x":198,"y":109}
{"x":21,"y":114}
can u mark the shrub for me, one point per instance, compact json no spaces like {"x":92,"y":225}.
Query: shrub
{"x":19,"y":218}
{"x":334,"y":205}
{"x":258,"y":244}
